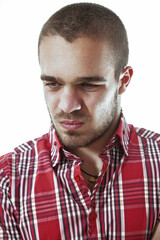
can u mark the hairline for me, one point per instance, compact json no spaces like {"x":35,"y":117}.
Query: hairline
{"x":110,"y":29}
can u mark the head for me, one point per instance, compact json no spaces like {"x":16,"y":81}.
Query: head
{"x":83,"y":51}
{"x":93,"y":21}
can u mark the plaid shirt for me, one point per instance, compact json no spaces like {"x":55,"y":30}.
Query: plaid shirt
{"x":44,"y":196}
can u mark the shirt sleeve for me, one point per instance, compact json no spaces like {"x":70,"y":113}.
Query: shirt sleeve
{"x":8,"y":220}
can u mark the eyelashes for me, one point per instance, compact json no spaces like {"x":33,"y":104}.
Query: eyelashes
{"x":84,"y":86}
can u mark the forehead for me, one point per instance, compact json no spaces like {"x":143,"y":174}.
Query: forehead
{"x":84,"y":55}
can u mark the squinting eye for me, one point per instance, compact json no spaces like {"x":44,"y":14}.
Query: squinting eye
{"x":89,"y":86}
{"x":52,"y":84}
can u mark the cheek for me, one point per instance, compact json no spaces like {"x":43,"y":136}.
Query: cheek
{"x":100,"y":104}
{"x":95,"y":103}
{"x":100,"y":98}
{"x":51,"y":100}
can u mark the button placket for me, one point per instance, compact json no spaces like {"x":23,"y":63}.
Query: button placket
{"x":92,"y":222}
{"x":92,"y":217}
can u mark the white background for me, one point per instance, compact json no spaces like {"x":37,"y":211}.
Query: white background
{"x":23,"y":114}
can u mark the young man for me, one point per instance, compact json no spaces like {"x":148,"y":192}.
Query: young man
{"x":92,"y":176}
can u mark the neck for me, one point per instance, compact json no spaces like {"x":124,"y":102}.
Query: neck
{"x":90,"y":153}
{"x":96,"y":147}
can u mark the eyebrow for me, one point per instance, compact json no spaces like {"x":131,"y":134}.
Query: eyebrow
{"x":44,"y":77}
{"x":92,"y":79}
{"x":78,"y":79}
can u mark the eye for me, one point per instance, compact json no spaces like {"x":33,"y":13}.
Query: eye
{"x":52,"y":85}
{"x":89,"y":86}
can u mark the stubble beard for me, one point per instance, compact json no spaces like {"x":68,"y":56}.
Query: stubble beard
{"x":77,"y":139}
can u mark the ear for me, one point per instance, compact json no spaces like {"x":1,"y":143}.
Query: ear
{"x":125,"y":79}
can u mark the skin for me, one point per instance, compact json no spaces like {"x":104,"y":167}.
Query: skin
{"x":83,"y":97}
{"x":156,"y":233}
{"x":80,"y":90}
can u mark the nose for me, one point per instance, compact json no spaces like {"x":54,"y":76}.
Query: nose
{"x":69,"y":100}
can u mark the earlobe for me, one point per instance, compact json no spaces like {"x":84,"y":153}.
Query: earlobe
{"x":125,"y":79}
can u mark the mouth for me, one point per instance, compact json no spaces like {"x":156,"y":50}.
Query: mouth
{"x":71,"y":124}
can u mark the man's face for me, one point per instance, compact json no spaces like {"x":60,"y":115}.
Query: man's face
{"x":80,"y":89}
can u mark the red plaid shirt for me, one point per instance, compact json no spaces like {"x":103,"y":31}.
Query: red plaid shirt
{"x":44,"y":196}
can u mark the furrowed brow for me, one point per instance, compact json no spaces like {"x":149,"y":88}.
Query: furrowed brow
{"x":47,"y":78}
{"x":79,"y":79}
{"x":44,"y":77}
{"x":92,"y":79}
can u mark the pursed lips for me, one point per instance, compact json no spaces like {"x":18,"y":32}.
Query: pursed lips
{"x":71,"y":124}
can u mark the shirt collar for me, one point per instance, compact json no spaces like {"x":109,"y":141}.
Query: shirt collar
{"x":56,"y":146}
{"x":57,"y":149}
{"x":123,"y":133}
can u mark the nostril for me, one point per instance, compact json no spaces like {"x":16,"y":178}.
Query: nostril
{"x":70,"y":99}
{"x":69,"y":105}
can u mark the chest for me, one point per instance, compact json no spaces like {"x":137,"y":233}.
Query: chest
{"x":123,"y":204}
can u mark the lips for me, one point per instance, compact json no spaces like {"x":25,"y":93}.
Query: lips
{"x":71,"y":124}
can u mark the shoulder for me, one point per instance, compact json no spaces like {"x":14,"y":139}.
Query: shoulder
{"x":143,"y":134}
{"x":146,"y":141}
{"x":29,"y":146}
{"x":26,"y":147}
{"x":24,"y":153}
{"x":148,"y":134}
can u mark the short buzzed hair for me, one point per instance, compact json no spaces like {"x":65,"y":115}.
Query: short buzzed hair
{"x":94,"y":21}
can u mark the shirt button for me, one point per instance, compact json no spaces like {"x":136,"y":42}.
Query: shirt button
{"x":123,"y":132}
{"x":77,"y":178}
{"x":55,"y":143}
